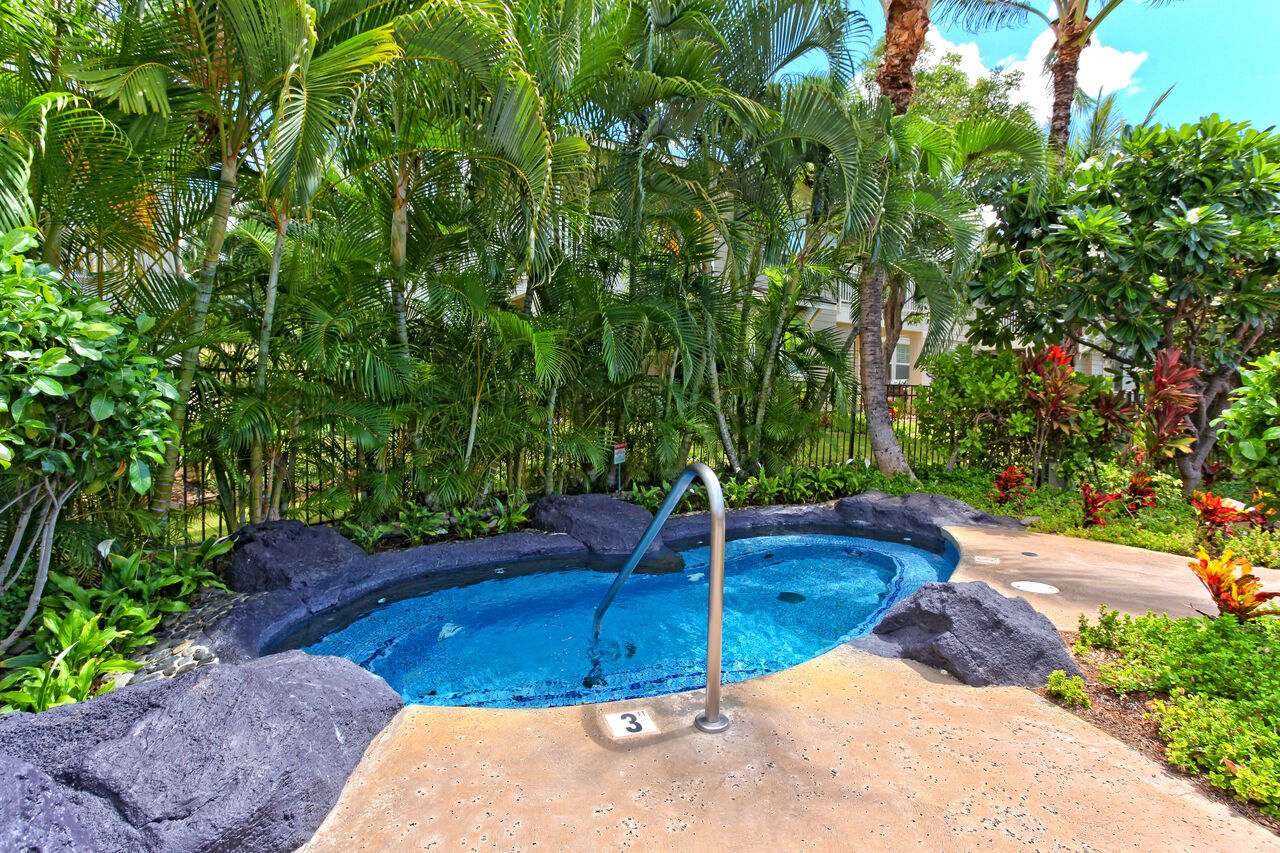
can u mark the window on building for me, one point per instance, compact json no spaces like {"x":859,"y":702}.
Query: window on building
{"x":900,"y":372}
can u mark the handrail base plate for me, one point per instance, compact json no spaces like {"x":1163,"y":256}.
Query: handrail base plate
{"x":702,"y":724}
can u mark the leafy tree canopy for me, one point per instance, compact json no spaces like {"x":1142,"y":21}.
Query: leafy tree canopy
{"x":1170,"y":240}
{"x":80,"y":400}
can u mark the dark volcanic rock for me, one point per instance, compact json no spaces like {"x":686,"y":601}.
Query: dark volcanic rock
{"x":35,"y":814}
{"x":248,"y":757}
{"x":280,"y":554}
{"x":757,"y":519}
{"x":606,"y":525}
{"x":918,"y":512}
{"x":975,"y":633}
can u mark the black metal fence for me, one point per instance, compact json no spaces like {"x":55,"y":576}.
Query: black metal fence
{"x":207,"y":497}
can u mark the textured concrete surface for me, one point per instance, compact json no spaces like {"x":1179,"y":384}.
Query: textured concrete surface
{"x":846,"y":752}
{"x":1087,"y":573}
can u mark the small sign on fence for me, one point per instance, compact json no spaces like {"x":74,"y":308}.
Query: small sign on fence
{"x":619,"y":456}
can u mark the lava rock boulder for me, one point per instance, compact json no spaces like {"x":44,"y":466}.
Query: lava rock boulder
{"x":35,"y":814}
{"x":918,"y":512}
{"x":284,"y":554}
{"x":604,"y":524}
{"x":978,"y":635}
{"x":227,"y":757}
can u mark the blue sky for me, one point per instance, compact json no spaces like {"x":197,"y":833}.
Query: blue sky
{"x":1220,"y":55}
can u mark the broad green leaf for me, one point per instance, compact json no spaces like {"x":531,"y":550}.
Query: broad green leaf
{"x":102,"y":407}
{"x":48,"y":385}
{"x":139,"y":476}
{"x":1253,"y":449}
{"x":98,"y":331}
{"x":62,"y":368}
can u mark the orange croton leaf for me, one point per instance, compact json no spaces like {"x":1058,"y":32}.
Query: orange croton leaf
{"x":1233,"y":586}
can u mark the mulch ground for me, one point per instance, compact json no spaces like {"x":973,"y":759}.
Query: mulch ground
{"x":1128,"y":719}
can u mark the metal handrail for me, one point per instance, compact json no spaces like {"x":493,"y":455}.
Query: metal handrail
{"x":710,"y":720}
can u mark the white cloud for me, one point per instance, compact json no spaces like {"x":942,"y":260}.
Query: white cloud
{"x":1102,"y":68}
{"x":970,"y":57}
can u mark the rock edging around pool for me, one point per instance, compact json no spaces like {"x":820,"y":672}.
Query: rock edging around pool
{"x":300,"y":572}
{"x":251,"y":751}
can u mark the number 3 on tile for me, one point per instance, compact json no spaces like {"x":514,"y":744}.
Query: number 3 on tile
{"x":630,"y":723}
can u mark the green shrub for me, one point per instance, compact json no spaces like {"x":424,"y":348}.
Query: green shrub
{"x":82,"y":407}
{"x":469,"y":523}
{"x":89,"y":632}
{"x":975,"y":404}
{"x":1068,"y":689}
{"x":1221,"y":682}
{"x":1250,"y":428}
{"x":1258,"y":545}
{"x":511,"y":515}
{"x":1234,"y":743}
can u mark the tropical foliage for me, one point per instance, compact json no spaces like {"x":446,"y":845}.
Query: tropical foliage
{"x":83,"y":406}
{"x":1217,"y":692}
{"x":1168,"y":241}
{"x":1251,"y":427}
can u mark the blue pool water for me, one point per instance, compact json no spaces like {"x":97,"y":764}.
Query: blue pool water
{"x":525,"y":640}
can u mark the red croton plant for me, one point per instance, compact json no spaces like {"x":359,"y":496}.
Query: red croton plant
{"x":1162,"y":428}
{"x":1054,"y":393}
{"x":1219,"y":515}
{"x":1139,"y":493}
{"x":1012,"y":486}
{"x":1095,"y":505}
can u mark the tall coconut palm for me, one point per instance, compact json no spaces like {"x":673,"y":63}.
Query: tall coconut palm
{"x":1073,"y":23}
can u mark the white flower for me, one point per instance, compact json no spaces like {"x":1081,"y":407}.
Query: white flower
{"x":1193,"y":215}
{"x":1095,"y":252}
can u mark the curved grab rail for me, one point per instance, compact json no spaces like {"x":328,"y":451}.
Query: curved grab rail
{"x":710,"y":720}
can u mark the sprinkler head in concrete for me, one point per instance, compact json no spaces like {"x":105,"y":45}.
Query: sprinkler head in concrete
{"x":1035,"y":586}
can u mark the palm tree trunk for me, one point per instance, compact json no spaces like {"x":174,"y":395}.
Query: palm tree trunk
{"x":906,"y":25}
{"x":257,"y":465}
{"x":1065,"y":69}
{"x":875,"y":398}
{"x":894,"y":305}
{"x":399,"y":254}
{"x":162,"y":489}
{"x":725,"y":438}
{"x":549,"y":452}
{"x":766,"y":380}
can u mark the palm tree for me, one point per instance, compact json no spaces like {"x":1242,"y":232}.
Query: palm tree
{"x":223,"y":61}
{"x":1073,"y":24}
{"x":306,"y":124}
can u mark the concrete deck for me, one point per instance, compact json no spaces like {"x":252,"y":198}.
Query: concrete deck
{"x":848,"y":751}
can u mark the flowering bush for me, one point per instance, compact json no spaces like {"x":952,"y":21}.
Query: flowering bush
{"x":1236,"y":591}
